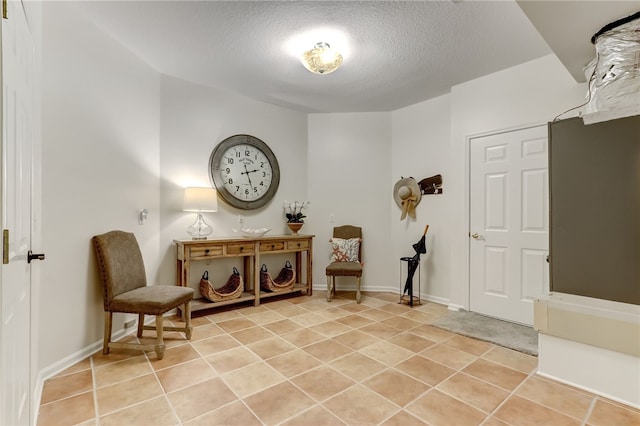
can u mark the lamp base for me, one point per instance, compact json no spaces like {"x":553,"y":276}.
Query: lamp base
{"x":200,"y":230}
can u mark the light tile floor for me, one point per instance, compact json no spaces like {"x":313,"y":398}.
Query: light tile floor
{"x":303,"y":361}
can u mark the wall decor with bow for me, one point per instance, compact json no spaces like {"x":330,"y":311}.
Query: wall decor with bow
{"x":407,"y":193}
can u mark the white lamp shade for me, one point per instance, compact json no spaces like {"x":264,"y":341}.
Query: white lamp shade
{"x":200,"y":200}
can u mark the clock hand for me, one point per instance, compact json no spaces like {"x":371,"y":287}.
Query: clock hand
{"x":246,"y":172}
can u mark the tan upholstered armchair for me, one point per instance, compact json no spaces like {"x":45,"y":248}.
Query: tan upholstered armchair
{"x":346,"y":258}
{"x":125,"y":290}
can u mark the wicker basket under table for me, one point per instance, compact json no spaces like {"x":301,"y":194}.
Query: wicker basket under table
{"x":231,"y":290}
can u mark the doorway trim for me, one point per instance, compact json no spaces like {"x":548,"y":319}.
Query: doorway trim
{"x":464,"y":291}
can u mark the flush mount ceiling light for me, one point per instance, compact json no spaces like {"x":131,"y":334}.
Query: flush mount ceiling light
{"x":321,"y":59}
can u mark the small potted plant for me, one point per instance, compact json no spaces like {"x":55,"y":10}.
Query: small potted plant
{"x":294,"y":212}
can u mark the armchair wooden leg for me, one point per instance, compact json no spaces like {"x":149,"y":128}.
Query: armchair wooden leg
{"x":329,"y":287}
{"x":358,"y":296}
{"x":159,"y":341}
{"x":140,"y":324}
{"x":187,"y":314}
{"x":107,"y":332}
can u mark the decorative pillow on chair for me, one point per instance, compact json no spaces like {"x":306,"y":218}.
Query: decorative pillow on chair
{"x":345,"y":250}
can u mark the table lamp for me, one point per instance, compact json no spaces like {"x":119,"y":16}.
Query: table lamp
{"x":200,"y":200}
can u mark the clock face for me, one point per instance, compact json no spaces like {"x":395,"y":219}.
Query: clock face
{"x":244,"y":171}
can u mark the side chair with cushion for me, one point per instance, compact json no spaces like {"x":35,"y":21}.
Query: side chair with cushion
{"x":125,"y":289}
{"x":346,"y":258}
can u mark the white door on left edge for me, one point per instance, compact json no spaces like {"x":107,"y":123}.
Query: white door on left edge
{"x":18,"y":122}
{"x":509,"y":223}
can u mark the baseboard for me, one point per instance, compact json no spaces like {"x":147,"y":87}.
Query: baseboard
{"x":597,"y":370}
{"x":74,"y":358}
{"x":435,"y":299}
{"x":454,"y":307}
{"x":388,"y":289}
{"x":70,"y":360}
{"x":588,"y":389}
{"x":352,"y":287}
{"x":66,"y":362}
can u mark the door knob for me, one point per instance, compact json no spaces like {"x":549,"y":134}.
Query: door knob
{"x":476,"y":236}
{"x":34,"y":256}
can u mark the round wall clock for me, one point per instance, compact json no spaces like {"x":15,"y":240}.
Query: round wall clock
{"x":244,"y":171}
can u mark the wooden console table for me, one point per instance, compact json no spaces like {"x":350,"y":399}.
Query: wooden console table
{"x":250,"y":250}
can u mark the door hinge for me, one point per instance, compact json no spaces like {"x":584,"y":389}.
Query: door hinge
{"x":5,"y":13}
{"x":5,"y":246}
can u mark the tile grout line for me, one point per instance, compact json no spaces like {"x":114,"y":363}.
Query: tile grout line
{"x":325,"y":338}
{"x":322,"y":364}
{"x":165,"y":394}
{"x":226,"y":382}
{"x":511,"y":394}
{"x":94,"y":391}
{"x":240,"y":399}
{"x":592,"y":406}
{"x":386,"y":367}
{"x":358,"y":382}
{"x":568,"y":388}
{"x":487,"y":414}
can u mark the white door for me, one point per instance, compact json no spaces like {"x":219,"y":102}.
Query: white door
{"x":15,"y":280}
{"x":509,"y":223}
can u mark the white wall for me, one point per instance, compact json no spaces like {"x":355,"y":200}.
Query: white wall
{"x":99,"y":166}
{"x":194,"y":119}
{"x":111,"y":123}
{"x":423,"y":140}
{"x":420,"y":148}
{"x":530,"y":93}
{"x":142,"y":137}
{"x":117,"y":137}
{"x":349,"y":176}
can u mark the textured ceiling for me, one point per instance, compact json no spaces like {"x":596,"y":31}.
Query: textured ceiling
{"x":396,"y":53}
